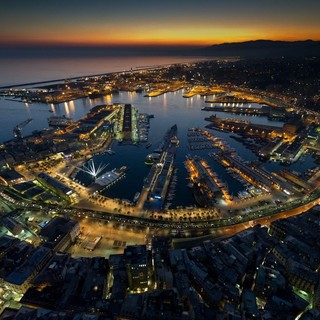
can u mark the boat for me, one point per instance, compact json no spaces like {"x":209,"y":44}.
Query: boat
{"x":50,"y":110}
{"x":59,"y":121}
{"x":148,"y":145}
{"x":149,"y":160}
{"x":110,"y":152}
{"x":190,"y":185}
{"x":174,"y":140}
{"x":98,"y":94}
{"x":136,"y":197}
{"x":123,"y":169}
{"x":139,"y":90}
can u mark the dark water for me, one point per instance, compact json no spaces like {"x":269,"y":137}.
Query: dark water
{"x":27,"y":70}
{"x":168,"y":109}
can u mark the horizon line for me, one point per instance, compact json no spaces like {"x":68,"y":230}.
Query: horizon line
{"x":132,"y":45}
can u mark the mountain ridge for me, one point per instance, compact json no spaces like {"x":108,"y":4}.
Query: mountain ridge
{"x":264,"y":48}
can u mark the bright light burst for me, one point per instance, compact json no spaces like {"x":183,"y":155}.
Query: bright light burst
{"x":91,"y":169}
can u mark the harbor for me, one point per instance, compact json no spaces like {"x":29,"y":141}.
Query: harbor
{"x":194,"y":139}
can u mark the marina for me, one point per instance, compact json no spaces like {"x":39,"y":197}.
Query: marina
{"x":194,"y":139}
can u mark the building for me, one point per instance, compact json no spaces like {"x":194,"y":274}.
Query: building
{"x":58,"y":187}
{"x":60,"y":233}
{"x":19,"y":280}
{"x":163,"y":304}
{"x":302,"y":277}
{"x":12,"y":225}
{"x":98,"y":118}
{"x":10,"y":177}
{"x":126,"y":124}
{"x":67,"y":283}
{"x":136,"y":259}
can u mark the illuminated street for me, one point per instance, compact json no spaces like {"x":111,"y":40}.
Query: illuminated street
{"x":115,"y":237}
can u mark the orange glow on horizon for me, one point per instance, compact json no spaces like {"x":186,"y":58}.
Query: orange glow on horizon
{"x":156,"y":43}
{"x":169,"y":35}
{"x":155,"y":23}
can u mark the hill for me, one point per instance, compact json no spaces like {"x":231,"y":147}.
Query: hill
{"x":264,"y":49}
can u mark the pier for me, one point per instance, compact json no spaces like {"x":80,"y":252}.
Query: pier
{"x":156,"y":184}
{"x":207,"y":188}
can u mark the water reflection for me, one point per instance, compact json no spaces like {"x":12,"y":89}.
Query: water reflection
{"x":164,"y":103}
{"x":72,"y":107}
{"x":67,"y":110}
{"x":51,"y":107}
{"x":168,"y":109}
{"x":27,"y":108}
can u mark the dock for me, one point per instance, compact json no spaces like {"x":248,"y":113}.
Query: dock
{"x":157,"y":182}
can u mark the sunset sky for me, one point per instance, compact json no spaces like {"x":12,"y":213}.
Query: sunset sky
{"x":155,"y":22}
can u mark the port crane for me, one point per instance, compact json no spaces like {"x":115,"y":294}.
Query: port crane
{"x":17,"y":129}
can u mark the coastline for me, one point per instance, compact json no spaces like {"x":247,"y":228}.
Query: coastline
{"x":75,"y":78}
{"x":92,"y":75}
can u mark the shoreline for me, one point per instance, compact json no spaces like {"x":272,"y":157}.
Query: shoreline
{"x":133,"y":69}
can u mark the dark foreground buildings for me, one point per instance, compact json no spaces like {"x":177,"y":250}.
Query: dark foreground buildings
{"x":259,"y":273}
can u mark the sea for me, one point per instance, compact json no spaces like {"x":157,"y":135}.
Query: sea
{"x":16,"y":71}
{"x":168,"y":109}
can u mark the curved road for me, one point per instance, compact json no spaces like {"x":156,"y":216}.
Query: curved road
{"x":217,"y":228}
